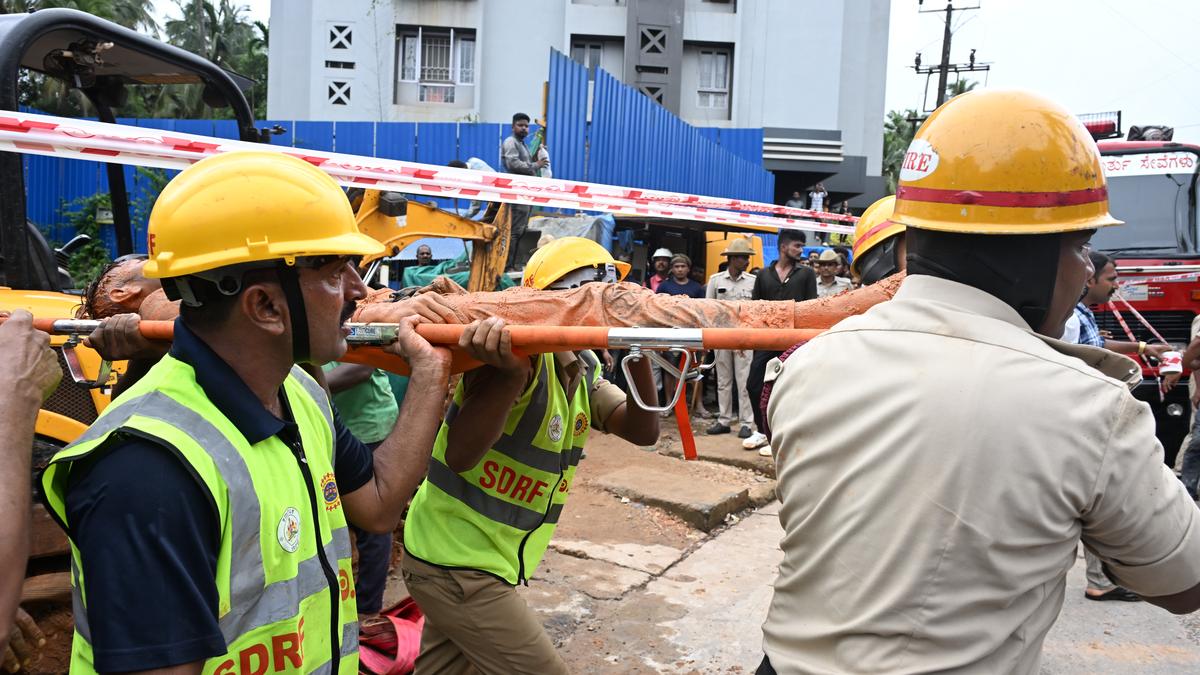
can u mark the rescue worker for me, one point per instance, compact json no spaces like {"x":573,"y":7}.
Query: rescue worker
{"x":32,"y":374}
{"x":933,"y":529}
{"x":879,"y":249}
{"x":502,"y":469}
{"x":207,"y":507}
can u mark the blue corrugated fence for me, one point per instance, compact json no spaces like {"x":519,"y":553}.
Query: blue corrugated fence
{"x":630,"y":141}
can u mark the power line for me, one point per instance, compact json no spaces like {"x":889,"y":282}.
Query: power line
{"x":944,"y":68}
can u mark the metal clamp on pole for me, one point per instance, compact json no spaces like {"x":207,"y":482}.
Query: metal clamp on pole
{"x":372,"y":333}
{"x":635,"y":354}
{"x":76,"y":369}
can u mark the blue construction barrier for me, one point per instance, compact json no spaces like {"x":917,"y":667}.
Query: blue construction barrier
{"x":630,"y":141}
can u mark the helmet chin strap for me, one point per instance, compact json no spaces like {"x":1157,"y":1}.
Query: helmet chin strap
{"x":289,"y":280}
{"x":879,"y":262}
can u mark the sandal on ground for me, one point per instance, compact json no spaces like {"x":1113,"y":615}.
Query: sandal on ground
{"x":1118,"y":593}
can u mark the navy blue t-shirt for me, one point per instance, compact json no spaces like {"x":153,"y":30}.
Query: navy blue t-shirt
{"x":692,"y":289}
{"x":148,"y":533}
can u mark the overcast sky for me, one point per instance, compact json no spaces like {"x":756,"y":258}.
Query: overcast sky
{"x":1137,"y":56}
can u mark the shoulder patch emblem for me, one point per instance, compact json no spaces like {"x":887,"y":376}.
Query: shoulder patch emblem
{"x":555,"y":428}
{"x":581,"y":423}
{"x":329,"y":492}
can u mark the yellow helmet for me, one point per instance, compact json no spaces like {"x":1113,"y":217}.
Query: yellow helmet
{"x":1002,"y":162}
{"x":874,"y":227}
{"x":246,"y":207}
{"x":560,"y":257}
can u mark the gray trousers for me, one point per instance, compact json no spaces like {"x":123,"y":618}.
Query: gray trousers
{"x":1096,"y":580}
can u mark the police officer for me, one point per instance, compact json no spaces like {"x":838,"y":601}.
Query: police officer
{"x":503,"y":466}
{"x":933,"y":529}
{"x":207,"y":507}
{"x":733,"y":365}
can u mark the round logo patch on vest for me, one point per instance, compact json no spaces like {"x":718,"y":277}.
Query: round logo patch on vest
{"x":288,"y":531}
{"x":329,"y":492}
{"x":555,"y":428}
{"x":581,"y":423}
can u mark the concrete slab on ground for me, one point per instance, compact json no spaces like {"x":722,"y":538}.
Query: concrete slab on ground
{"x":704,"y":615}
{"x":651,"y":559}
{"x":1118,"y":638}
{"x":724,"y":449}
{"x":700,"y":502}
{"x":598,"y":579}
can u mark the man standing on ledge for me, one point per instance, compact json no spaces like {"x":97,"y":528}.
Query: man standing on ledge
{"x":514,"y":155}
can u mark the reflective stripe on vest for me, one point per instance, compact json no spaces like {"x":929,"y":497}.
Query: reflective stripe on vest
{"x":251,"y":603}
{"x":515,"y":494}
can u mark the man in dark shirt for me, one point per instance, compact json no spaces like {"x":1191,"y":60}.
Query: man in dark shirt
{"x":784,"y":279}
{"x":144,"y":522}
{"x":680,"y":281}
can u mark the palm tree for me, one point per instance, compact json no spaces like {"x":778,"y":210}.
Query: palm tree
{"x":134,"y":14}
{"x":52,"y":95}
{"x":220,"y":34}
{"x":960,"y":87}
{"x":898,"y":131}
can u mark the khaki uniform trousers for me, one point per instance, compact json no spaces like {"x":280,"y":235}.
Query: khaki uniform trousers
{"x":476,"y":623}
{"x":733,"y":367}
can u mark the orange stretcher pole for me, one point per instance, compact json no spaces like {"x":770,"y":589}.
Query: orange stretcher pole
{"x":525,"y":339}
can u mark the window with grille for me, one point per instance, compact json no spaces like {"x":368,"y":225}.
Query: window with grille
{"x":437,"y":58}
{"x":713,"y":80}
{"x":466,"y":61}
{"x":408,"y":53}
{"x":437,"y":93}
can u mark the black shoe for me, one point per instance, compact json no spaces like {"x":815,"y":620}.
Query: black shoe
{"x":1118,"y":593}
{"x":717,"y":428}
{"x":744,"y":432}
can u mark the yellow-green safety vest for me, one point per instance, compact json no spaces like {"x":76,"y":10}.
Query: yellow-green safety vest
{"x":284,"y":582}
{"x":499,"y":516}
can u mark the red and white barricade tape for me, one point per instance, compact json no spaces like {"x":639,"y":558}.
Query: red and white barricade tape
{"x":1139,"y":317}
{"x":32,"y":133}
{"x":1166,"y":278}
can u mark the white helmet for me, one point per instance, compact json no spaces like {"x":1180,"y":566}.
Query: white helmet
{"x":662,"y":253}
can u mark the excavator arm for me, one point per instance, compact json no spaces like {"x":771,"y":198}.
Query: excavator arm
{"x":397,"y":222}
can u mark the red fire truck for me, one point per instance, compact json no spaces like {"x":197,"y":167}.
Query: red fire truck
{"x":1152,"y":186}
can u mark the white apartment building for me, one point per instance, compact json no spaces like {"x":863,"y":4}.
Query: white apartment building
{"x":810,"y":73}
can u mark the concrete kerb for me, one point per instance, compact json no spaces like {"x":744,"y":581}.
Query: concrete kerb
{"x":700,"y":503}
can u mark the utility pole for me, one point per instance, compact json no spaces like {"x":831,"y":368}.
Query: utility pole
{"x":945,"y":67}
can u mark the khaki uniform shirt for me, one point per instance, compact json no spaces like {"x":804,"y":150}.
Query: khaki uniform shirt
{"x":721,"y":286}
{"x":932,"y":529}
{"x":838,"y":285}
